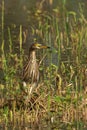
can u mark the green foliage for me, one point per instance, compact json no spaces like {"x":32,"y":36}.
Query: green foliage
{"x":63,"y":91}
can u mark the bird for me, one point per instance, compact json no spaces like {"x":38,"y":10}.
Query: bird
{"x":31,"y":68}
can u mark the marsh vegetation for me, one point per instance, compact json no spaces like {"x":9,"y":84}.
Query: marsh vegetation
{"x":60,"y":99}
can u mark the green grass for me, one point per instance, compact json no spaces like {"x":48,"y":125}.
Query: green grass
{"x":62,"y":92}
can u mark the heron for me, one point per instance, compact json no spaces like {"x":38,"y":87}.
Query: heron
{"x":31,"y":69}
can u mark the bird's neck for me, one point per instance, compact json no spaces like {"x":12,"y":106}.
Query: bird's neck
{"x":32,"y":55}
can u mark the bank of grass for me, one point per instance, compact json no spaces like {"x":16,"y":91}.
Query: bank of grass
{"x":61,"y":95}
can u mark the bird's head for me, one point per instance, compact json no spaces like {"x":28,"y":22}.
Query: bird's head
{"x":38,"y":46}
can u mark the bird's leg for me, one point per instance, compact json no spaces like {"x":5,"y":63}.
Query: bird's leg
{"x":32,"y":87}
{"x":30,"y":91}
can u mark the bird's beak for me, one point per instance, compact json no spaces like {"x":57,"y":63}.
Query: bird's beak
{"x":44,"y":47}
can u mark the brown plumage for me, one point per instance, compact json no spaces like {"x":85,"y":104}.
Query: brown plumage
{"x":31,"y":69}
